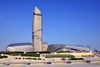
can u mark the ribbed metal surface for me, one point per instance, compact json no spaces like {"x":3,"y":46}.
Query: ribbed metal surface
{"x":62,"y":47}
{"x":19,"y":44}
{"x":53,"y":47}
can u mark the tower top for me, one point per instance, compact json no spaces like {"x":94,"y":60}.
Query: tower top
{"x":37,"y":11}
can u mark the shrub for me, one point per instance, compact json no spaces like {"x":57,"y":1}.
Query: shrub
{"x":76,"y":58}
{"x":35,"y":58}
{"x":28,"y":58}
{"x":3,"y":57}
{"x":19,"y":58}
{"x":14,"y":54}
{"x":10,"y":53}
{"x":16,"y":58}
{"x":62,"y":52}
{"x":59,"y":55}
{"x":31,"y":55}
{"x":63,"y":58}
{"x":23,"y":58}
{"x":39,"y":58}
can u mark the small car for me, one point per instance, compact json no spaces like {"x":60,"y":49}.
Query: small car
{"x":87,"y":61}
{"x":48,"y":62}
{"x":28,"y":63}
{"x":68,"y":62}
{"x":6,"y":63}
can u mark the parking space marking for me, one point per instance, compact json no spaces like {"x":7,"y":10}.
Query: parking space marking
{"x":96,"y":57}
{"x":97,"y":61}
{"x":80,"y":62}
{"x":1,"y":64}
{"x":15,"y":64}
{"x":59,"y":63}
{"x":38,"y":64}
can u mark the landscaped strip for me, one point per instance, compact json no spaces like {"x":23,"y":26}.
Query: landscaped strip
{"x":59,"y":56}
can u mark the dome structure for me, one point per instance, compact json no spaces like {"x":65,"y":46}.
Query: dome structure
{"x":22,"y":47}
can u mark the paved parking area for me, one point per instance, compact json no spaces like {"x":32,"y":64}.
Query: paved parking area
{"x":53,"y":65}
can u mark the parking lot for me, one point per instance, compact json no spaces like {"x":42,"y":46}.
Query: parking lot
{"x":53,"y":65}
{"x":77,"y":64}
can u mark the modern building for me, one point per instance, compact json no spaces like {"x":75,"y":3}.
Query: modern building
{"x":68,"y":48}
{"x":37,"y":30}
{"x":24,"y":47}
{"x":28,"y":47}
{"x":37,"y":44}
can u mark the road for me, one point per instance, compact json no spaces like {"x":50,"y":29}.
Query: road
{"x":54,"y":65}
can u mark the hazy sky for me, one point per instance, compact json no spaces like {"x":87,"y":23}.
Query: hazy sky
{"x":73,"y":22}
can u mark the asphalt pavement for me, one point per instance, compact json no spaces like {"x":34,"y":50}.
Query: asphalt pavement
{"x":53,"y":65}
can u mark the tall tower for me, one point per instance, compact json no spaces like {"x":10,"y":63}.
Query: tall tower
{"x":37,"y":30}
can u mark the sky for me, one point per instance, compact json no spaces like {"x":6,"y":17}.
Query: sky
{"x":70,"y":22}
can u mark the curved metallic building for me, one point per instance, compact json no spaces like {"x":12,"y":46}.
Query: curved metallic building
{"x":62,"y":47}
{"x":28,"y":47}
{"x":22,"y":47}
{"x":25,"y":47}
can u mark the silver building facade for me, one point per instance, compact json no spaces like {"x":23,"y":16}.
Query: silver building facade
{"x":37,"y":30}
{"x":28,"y":47}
